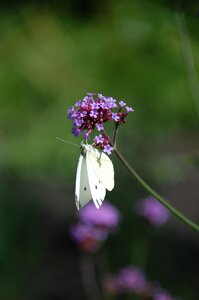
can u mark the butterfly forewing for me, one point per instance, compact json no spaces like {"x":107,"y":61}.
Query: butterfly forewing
{"x":102,"y":166}
{"x":82,"y":187}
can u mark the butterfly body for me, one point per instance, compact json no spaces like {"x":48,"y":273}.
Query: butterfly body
{"x":94,"y":175}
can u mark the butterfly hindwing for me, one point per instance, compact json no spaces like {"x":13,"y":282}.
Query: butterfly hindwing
{"x":82,"y":187}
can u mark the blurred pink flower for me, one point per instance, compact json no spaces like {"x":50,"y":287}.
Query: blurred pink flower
{"x":161,"y":294}
{"x":88,"y":237}
{"x":107,"y":216}
{"x":132,"y":279}
{"x":94,"y":225}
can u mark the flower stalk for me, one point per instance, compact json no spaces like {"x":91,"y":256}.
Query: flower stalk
{"x":151,"y":191}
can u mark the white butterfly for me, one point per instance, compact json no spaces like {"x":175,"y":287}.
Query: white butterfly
{"x":94,"y":175}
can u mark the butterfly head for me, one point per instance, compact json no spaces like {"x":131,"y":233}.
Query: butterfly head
{"x":84,"y":148}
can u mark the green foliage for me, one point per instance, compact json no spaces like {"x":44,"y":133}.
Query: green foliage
{"x":49,"y":60}
{"x":48,"y":63}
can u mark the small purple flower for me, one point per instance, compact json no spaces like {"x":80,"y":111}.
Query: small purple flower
{"x":84,"y":104}
{"x":86,"y":135}
{"x":99,"y":126}
{"x":78,"y":103}
{"x":94,"y":106}
{"x":99,"y":139}
{"x":83,"y":114}
{"x":70,"y":112}
{"x":93,"y":113}
{"x":85,"y":99}
{"x":132,"y":279}
{"x":128,"y":109}
{"x":100,"y":96}
{"x":105,"y":105}
{"x":115,"y":117}
{"x":108,"y":149}
{"x":76,"y":131}
{"x":111,"y":102}
{"x":78,"y":122}
{"x":122,"y":103}
{"x":153,"y":211}
{"x":75,"y":117}
{"x":107,"y":217}
{"x":91,"y":95}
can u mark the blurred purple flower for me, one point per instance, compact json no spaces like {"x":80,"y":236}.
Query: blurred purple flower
{"x":132,"y":279}
{"x":107,"y":217}
{"x":88,"y":238}
{"x":162,"y":295}
{"x":81,"y":232}
{"x":153,"y":211}
{"x":94,"y":225}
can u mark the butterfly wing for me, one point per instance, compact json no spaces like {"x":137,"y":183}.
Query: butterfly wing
{"x":102,"y":166}
{"x":98,"y":191}
{"x":82,"y":187}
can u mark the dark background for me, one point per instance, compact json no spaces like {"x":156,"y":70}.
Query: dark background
{"x":53,"y":53}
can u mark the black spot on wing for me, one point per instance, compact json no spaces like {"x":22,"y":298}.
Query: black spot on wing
{"x":96,"y":184}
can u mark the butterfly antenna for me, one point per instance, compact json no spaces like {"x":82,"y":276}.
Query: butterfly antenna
{"x":67,"y":142}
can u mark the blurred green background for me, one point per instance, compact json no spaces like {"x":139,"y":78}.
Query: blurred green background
{"x":51,"y":55}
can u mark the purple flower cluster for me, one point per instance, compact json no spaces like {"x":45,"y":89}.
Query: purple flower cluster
{"x":94,"y":225}
{"x":92,"y":112}
{"x":131,"y":279}
{"x":153,"y":211}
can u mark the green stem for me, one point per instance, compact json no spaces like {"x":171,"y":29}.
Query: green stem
{"x":115,"y":135}
{"x":151,"y":191}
